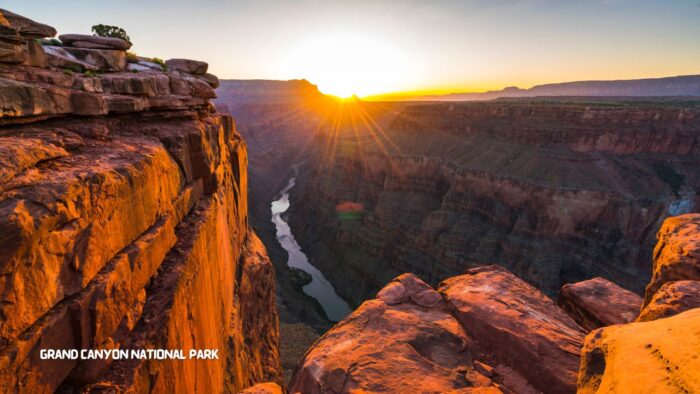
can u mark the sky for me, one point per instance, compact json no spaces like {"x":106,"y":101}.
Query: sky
{"x":370,"y":47}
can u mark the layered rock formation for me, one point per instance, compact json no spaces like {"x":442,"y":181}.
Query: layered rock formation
{"x":659,"y":353}
{"x":556,"y":192}
{"x":124,"y":225}
{"x":489,"y":331}
{"x":486,"y":331}
{"x":598,"y":303}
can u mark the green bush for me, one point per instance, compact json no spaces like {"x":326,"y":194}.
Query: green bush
{"x":161,"y":62}
{"x":90,"y":74}
{"x":110,"y":31}
{"x":68,"y":71}
{"x":131,"y":57}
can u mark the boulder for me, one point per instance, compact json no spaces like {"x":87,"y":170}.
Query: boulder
{"x":677,"y":253}
{"x":404,"y":341}
{"x":94,"y":42}
{"x":194,"y":67}
{"x":27,"y":27}
{"x":597,"y":302}
{"x":671,"y":299}
{"x":211,"y":79}
{"x":103,"y":59}
{"x":660,"y":356}
{"x":516,"y":326}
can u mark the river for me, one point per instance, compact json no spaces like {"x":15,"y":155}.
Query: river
{"x":319,"y":288}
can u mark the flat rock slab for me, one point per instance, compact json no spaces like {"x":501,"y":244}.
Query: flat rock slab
{"x":27,"y":27}
{"x":515,"y":325}
{"x":672,"y":299}
{"x":94,"y":42}
{"x":107,"y":60}
{"x":652,"y":357}
{"x":193,"y":67}
{"x":597,"y":302}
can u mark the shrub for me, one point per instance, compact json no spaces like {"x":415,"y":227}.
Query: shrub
{"x":68,"y":71}
{"x":110,"y":31}
{"x":90,"y":74}
{"x":131,"y":57}
{"x":161,"y":62}
{"x":53,"y":42}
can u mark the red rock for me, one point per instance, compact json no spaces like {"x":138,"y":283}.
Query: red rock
{"x":263,"y":388}
{"x":671,"y":299}
{"x":36,"y":56}
{"x":660,"y":356}
{"x":393,"y":345}
{"x":94,"y":42}
{"x":27,"y":27}
{"x":211,"y":79}
{"x":12,"y":53}
{"x":103,"y":59}
{"x":59,"y":57}
{"x":193,"y":67}
{"x":513,"y":324}
{"x":598,"y":303}
{"x":677,"y":253}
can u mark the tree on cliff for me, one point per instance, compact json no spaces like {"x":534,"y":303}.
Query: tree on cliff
{"x":110,"y":31}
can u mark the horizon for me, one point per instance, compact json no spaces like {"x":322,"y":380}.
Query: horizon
{"x":396,"y":49}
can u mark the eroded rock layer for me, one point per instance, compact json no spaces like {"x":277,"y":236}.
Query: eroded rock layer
{"x":598,"y":303}
{"x":124,"y":225}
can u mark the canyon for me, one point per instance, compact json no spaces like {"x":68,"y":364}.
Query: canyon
{"x":539,"y":245}
{"x":555,"y":191}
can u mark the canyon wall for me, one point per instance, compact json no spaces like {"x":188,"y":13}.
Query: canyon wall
{"x":487,"y":331}
{"x":124,"y":223}
{"x":556,"y":192}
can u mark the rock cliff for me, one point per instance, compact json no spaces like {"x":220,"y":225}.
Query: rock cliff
{"x":557,"y":192}
{"x":123,"y":223}
{"x":488,"y":331}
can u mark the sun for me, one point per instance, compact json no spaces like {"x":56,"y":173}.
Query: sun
{"x":347,"y":64}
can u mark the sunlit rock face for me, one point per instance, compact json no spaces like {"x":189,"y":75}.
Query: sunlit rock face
{"x":124,"y":225}
{"x":484,"y":332}
{"x":657,"y":357}
{"x":659,"y":352}
{"x":557,"y":192}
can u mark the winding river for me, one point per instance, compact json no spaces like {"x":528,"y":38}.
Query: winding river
{"x":319,"y":288}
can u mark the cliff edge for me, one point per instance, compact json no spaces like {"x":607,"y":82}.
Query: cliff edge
{"x":123,"y":222}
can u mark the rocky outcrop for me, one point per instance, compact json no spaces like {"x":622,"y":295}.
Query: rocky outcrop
{"x":486,"y":331}
{"x":597,"y":302}
{"x":516,"y":326}
{"x":557,"y":192}
{"x":427,"y":351}
{"x":124,"y":226}
{"x":194,"y":67}
{"x":671,"y":299}
{"x":658,"y":353}
{"x":677,"y":253}
{"x":653,"y":357}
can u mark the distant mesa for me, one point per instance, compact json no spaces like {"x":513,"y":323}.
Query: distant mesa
{"x":679,"y":86}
